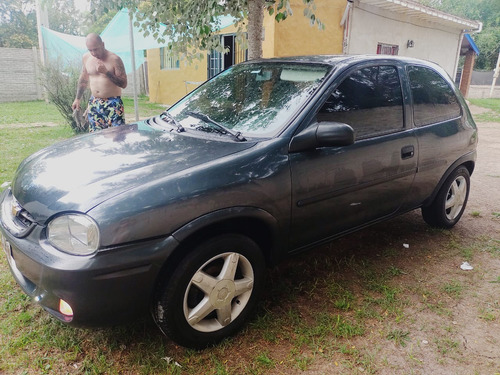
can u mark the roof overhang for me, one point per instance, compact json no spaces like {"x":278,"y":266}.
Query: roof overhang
{"x":468,"y":45}
{"x":424,"y":13}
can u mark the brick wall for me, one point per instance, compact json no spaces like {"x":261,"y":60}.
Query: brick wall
{"x":19,"y":75}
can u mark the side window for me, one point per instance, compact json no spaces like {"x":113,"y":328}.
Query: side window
{"x":433,"y":98}
{"x":369,"y":99}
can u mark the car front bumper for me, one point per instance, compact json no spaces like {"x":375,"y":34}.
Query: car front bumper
{"x":111,"y":286}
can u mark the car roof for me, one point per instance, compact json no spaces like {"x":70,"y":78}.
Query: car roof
{"x":348,"y":59}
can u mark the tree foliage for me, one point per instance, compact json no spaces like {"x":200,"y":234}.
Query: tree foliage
{"x":486,"y":11}
{"x":193,"y":25}
{"x":18,"y":24}
{"x":63,"y":16}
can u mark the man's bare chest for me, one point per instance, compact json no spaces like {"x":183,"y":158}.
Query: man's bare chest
{"x":92,"y":66}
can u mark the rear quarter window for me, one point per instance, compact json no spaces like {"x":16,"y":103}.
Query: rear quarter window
{"x":433,"y":98}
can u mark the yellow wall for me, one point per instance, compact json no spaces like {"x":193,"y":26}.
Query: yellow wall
{"x":295,"y":36}
{"x":269,"y":30}
{"x":168,"y":86}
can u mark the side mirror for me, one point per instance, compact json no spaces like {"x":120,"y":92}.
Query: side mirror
{"x":322,"y":134}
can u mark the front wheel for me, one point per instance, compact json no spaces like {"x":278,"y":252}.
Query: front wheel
{"x":212,"y":291}
{"x":449,"y":204}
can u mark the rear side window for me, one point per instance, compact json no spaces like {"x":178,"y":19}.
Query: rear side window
{"x":369,"y":100}
{"x":433,"y":98}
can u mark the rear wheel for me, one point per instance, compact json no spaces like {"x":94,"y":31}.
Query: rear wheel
{"x":449,"y":204}
{"x":211,"y":292}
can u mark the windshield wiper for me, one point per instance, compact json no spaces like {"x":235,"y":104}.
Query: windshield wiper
{"x":222,"y":129}
{"x":171,"y":119}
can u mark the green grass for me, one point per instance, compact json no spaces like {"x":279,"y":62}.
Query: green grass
{"x":18,"y":143}
{"x":29,"y":113}
{"x":491,"y":116}
{"x":41,"y":112}
{"x":399,"y":337}
{"x":493,"y":103}
{"x":453,"y":289}
{"x":146,"y":108}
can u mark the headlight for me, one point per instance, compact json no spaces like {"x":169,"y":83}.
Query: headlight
{"x":76,"y":234}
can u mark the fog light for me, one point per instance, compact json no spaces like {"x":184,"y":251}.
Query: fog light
{"x":65,"y":308}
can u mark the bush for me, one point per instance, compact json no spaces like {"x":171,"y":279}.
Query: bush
{"x":60,"y":85}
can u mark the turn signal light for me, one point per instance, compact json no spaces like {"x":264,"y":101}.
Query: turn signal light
{"x":65,"y":308}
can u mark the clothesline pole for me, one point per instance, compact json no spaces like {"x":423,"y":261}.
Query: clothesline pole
{"x":132,"y":57}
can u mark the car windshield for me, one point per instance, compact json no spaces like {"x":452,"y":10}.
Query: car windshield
{"x":256,"y":99}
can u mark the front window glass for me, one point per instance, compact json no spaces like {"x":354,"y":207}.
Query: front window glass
{"x":369,"y":99}
{"x":254,"y":99}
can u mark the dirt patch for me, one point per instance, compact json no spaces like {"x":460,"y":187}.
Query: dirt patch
{"x":30,"y":125}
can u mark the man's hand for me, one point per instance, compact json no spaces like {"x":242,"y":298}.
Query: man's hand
{"x":101,"y":68}
{"x":75,"y":105}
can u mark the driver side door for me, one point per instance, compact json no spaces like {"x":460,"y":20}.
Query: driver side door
{"x":337,"y":189}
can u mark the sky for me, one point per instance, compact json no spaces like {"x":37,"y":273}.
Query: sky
{"x":82,"y":5}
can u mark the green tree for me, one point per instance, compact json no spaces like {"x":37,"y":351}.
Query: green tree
{"x":486,"y":11}
{"x":192,"y":25}
{"x":63,"y":16}
{"x":100,"y":14}
{"x":18,"y":24}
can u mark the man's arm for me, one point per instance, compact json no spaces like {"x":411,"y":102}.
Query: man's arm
{"x":83,"y":83}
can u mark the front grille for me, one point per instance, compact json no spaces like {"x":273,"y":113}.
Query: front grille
{"x":15,"y":218}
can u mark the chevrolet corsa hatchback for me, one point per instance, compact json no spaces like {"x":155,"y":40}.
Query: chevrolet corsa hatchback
{"x":180,"y":214}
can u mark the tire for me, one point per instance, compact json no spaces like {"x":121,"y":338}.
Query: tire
{"x":449,"y":204}
{"x":212,"y":291}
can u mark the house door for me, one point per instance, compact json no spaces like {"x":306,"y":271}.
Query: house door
{"x":217,"y":61}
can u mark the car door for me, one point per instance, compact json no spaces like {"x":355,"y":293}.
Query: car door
{"x":336,"y":189}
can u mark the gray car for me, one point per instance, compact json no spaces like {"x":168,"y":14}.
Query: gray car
{"x":182,"y":213}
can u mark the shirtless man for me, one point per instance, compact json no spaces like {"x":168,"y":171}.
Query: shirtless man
{"x":105,"y":73}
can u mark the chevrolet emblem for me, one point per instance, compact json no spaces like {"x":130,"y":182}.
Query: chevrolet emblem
{"x":15,"y":208}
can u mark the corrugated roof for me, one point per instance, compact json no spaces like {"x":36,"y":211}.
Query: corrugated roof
{"x":473,"y":45}
{"x":422,"y":12}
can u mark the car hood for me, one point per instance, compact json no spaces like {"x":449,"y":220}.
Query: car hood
{"x":80,"y":173}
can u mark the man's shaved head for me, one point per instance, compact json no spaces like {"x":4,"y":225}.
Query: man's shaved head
{"x":93,"y":37}
{"x":95,"y":46}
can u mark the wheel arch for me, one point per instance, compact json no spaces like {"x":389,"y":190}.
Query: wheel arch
{"x":255,"y":223}
{"x":468,"y":161}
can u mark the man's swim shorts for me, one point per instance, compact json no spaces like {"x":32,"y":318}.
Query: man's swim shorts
{"x":105,"y":112}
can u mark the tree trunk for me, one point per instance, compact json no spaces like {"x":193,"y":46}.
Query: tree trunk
{"x":255,"y":28}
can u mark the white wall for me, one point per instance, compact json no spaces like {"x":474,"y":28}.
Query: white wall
{"x":19,"y":75}
{"x":371,"y":25}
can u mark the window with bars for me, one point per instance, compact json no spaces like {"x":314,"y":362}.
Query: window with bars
{"x":387,"y":49}
{"x":168,"y":59}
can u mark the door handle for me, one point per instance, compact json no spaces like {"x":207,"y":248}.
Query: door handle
{"x":407,"y":152}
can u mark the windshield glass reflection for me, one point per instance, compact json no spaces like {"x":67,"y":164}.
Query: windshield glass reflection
{"x":254,"y":99}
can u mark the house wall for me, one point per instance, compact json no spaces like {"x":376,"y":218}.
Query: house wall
{"x":295,"y":36}
{"x":168,"y":86}
{"x":371,"y":25}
